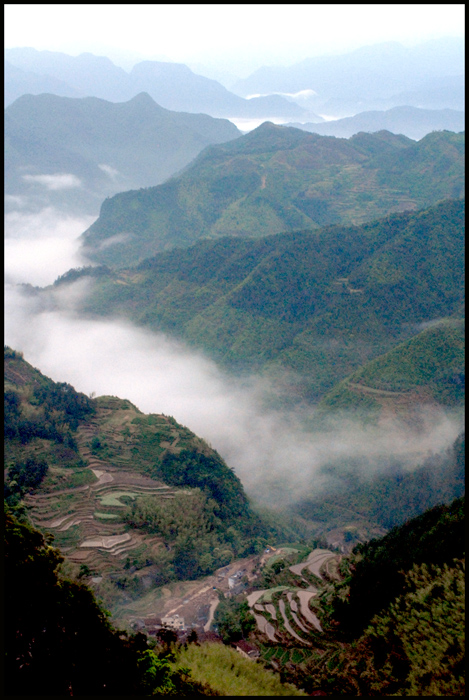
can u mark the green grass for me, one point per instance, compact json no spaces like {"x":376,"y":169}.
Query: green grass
{"x":112,"y":499}
{"x":226,"y":671}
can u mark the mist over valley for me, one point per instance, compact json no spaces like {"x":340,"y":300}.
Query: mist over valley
{"x":234,"y":362}
{"x":255,"y":423}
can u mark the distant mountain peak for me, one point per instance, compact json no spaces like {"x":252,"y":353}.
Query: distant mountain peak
{"x":142,"y":98}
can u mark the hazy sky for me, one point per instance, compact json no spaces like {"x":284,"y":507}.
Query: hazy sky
{"x":237,"y":37}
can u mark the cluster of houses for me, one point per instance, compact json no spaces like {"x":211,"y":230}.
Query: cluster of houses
{"x":152,"y":625}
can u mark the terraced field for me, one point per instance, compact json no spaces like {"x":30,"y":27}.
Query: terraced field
{"x":283,"y":612}
{"x":288,"y":630}
{"x":86,"y":520}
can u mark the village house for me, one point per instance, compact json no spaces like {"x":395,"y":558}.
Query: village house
{"x":173,"y":622}
{"x":250,"y":651}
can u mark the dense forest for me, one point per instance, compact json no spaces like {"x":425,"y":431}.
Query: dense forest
{"x":320,"y":305}
{"x":276,"y":179}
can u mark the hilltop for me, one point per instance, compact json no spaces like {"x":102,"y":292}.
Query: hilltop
{"x":317,"y":304}
{"x":278,"y":179}
{"x":173,"y":85}
{"x":108,"y":482}
{"x":101,"y":147}
{"x":413,"y":122}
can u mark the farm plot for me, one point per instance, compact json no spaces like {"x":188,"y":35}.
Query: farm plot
{"x":315,"y":560}
{"x":286,"y":609}
{"x":87,"y":520}
{"x":112,"y":498}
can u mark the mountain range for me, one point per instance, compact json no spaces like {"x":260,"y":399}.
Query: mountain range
{"x":319,"y":303}
{"x":329,"y":269}
{"x":278,"y":179}
{"x":106,"y":147}
{"x":413,"y":122}
{"x":430,"y":75}
{"x":379,"y":77}
{"x":172,"y":85}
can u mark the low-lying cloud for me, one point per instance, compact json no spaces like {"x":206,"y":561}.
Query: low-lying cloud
{"x":40,"y":247}
{"x":109,"y":170}
{"x":58,"y":181}
{"x":274,"y":452}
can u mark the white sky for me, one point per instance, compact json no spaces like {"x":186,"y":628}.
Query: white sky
{"x":233,"y":37}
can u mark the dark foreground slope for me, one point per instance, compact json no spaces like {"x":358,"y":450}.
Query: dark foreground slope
{"x":58,"y":639}
{"x":319,"y":304}
{"x":279,"y":179}
{"x":392,"y":614}
{"x":119,"y":489}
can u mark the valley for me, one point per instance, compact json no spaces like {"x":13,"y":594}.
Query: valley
{"x":234,"y":362}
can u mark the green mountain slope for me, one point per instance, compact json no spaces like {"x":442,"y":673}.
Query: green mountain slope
{"x":430,"y":367}
{"x":320,"y":304}
{"x":118,"y":488}
{"x":108,"y":147}
{"x":391,"y":613}
{"x":278,"y":179}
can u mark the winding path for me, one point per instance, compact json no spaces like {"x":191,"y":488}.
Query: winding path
{"x":213,"y":607}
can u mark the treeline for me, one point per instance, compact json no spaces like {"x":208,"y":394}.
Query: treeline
{"x":55,"y":409}
{"x":208,"y":472}
{"x":23,"y":476}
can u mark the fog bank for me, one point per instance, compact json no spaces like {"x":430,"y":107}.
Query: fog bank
{"x":40,"y":247}
{"x":274,"y":452}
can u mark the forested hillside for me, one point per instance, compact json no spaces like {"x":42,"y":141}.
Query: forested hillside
{"x":119,"y":489}
{"x":279,"y":179}
{"x":319,"y":304}
{"x":386,"y":620}
{"x":430,"y":367}
{"x":402,"y":604}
